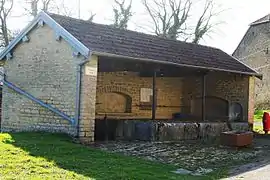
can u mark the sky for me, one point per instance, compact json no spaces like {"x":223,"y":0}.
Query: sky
{"x":235,"y":18}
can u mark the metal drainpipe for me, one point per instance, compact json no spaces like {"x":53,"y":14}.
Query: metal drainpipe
{"x":78,"y":96}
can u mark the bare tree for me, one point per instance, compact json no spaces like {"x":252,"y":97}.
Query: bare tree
{"x":13,"y":34}
{"x":172,"y":19}
{"x":56,"y":6}
{"x":61,"y":8}
{"x":36,"y":5}
{"x":92,"y":16}
{"x":204,"y":24}
{"x":45,"y":5}
{"x":5,"y":10}
{"x":122,"y":14}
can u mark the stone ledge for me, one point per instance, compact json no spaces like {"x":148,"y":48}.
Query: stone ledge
{"x":162,"y":131}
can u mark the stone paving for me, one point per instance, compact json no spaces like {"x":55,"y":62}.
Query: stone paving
{"x":253,"y":171}
{"x":258,"y":169}
{"x":188,"y":155}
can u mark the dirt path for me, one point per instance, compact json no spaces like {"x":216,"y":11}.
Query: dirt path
{"x":253,"y":171}
{"x":257,"y":170}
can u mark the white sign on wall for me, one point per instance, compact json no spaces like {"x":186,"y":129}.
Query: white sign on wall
{"x":90,"y":71}
{"x":146,"y":93}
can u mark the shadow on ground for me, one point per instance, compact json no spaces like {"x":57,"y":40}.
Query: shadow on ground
{"x":90,"y":162}
{"x":93,"y":163}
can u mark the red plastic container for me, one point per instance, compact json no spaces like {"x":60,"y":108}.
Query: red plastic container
{"x":266,"y":122}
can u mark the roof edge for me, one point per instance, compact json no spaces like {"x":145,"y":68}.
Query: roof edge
{"x":257,"y":23}
{"x":75,"y":43}
{"x":180,"y":65}
{"x":256,"y":72}
{"x":262,"y":20}
{"x":242,"y":39}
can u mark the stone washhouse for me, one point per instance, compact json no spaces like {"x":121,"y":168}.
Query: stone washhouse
{"x":97,"y":82}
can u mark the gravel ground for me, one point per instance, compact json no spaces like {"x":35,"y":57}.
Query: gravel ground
{"x":191,"y":155}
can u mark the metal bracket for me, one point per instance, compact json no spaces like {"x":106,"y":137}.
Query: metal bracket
{"x":57,"y":36}
{"x":40,"y":23}
{"x":25,"y":39}
{"x":9,"y":56}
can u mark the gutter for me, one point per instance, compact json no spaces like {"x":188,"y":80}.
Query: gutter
{"x":179,"y":65}
{"x":78,"y":96}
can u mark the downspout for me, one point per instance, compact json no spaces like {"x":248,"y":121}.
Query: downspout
{"x":78,"y":96}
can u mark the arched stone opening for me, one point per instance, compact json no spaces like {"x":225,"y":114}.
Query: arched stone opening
{"x":216,"y":108}
{"x":236,"y":112}
{"x":114,"y":102}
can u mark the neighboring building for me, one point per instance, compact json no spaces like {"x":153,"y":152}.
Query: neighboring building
{"x":254,"y":50}
{"x":67,"y":75}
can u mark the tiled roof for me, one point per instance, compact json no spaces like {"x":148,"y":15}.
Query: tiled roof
{"x":106,"y":39}
{"x":264,"y":19}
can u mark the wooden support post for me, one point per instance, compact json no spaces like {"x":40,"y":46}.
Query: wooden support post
{"x":203,"y":96}
{"x":106,"y":128}
{"x":154,"y":101}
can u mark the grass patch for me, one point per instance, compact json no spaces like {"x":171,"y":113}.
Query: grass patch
{"x":54,"y":156}
{"x":258,"y":115}
{"x":258,"y":128}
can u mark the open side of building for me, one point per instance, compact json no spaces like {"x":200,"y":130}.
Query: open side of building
{"x":72,"y":76}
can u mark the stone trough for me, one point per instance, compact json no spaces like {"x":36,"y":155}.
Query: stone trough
{"x":167,"y":131}
{"x":236,"y":138}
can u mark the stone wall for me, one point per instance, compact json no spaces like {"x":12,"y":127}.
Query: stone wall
{"x":46,"y":69}
{"x":173,"y":94}
{"x":169,"y":93}
{"x":88,"y":100}
{"x":230,"y":87}
{"x":251,"y":101}
{"x":233,"y":88}
{"x":254,"y":51}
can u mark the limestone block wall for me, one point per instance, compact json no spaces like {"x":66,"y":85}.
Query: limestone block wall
{"x":169,"y":93}
{"x":88,"y":100}
{"x":46,"y":69}
{"x":233,"y":88}
{"x":230,"y":87}
{"x":251,"y":100}
{"x":254,"y":51}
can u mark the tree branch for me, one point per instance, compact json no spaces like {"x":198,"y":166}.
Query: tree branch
{"x":171,"y":19}
{"x":122,"y":14}
{"x":5,"y":10}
